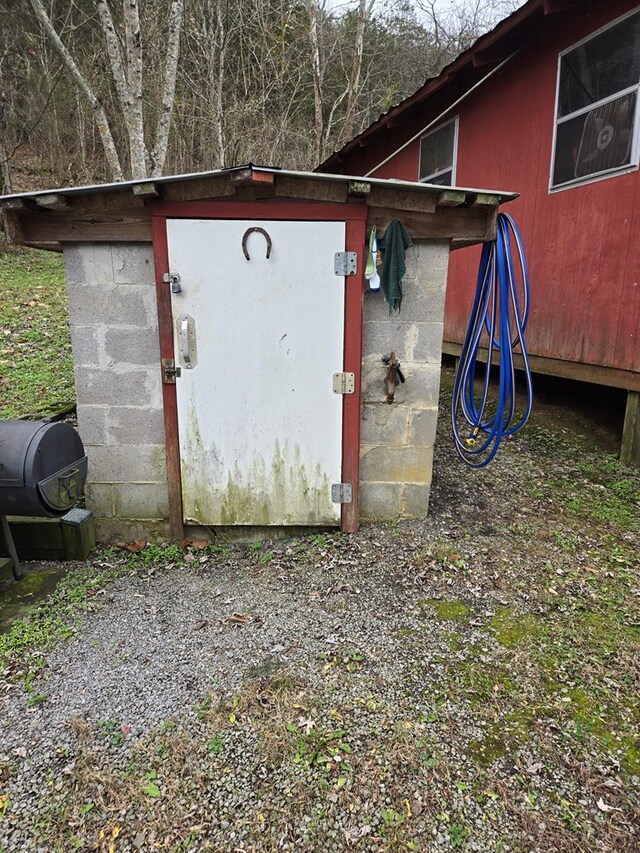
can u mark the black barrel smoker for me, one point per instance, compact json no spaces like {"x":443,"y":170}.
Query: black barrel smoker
{"x":43,"y":470}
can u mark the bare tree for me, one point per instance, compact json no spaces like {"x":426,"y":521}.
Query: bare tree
{"x":125,"y":56}
{"x":363,"y":13}
{"x":317,"y":71}
{"x":102,"y":122}
{"x":131,"y":87}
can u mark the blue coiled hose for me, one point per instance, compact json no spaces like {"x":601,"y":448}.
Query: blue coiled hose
{"x":479,"y":426}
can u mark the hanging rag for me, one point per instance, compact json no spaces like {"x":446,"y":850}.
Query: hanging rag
{"x":395,"y":242}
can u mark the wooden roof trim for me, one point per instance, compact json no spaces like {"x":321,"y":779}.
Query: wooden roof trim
{"x":113,"y":215}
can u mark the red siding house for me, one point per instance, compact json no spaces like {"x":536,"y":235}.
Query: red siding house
{"x":547,"y":105}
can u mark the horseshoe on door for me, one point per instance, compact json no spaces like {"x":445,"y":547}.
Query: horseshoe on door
{"x":246,"y":235}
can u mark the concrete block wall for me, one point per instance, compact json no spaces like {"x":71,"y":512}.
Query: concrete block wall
{"x":397,"y":439}
{"x":114,"y":334}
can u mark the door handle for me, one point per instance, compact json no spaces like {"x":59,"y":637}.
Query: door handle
{"x":184,"y":339}
{"x":186,"y":329}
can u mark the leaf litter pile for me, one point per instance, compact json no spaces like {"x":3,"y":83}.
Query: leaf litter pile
{"x":466,"y":682}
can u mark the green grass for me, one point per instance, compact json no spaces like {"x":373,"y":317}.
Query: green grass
{"x":36,"y":368}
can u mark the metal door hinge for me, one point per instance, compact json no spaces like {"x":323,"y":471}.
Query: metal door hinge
{"x":173,"y":279}
{"x":169,"y":371}
{"x":341,"y":493}
{"x":344,"y":383}
{"x":345,"y":263}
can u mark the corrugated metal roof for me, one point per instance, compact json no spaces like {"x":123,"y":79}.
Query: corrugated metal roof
{"x":123,"y":186}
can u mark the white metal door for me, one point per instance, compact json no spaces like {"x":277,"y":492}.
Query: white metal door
{"x":260,"y":427}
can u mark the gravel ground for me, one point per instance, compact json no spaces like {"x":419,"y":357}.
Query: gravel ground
{"x":465,"y":682}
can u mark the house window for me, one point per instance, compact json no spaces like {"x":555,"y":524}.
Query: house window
{"x":597,"y":105}
{"x":438,"y":151}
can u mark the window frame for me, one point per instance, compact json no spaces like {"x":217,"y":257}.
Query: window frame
{"x":455,"y":121}
{"x":632,"y":166}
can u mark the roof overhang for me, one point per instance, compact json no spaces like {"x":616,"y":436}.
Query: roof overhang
{"x":122,"y":211}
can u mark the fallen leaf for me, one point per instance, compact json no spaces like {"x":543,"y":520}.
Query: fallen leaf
{"x":341,"y":587}
{"x":134,"y":547}
{"x":240,"y":618}
{"x":605,"y":808}
{"x":306,"y":724}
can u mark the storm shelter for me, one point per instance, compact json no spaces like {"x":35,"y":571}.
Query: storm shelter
{"x":230,"y":358}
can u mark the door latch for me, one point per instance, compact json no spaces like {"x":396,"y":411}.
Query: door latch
{"x":169,"y":371}
{"x":173,"y":279}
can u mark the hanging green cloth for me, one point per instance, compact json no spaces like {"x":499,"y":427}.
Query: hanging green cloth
{"x":394,"y":244}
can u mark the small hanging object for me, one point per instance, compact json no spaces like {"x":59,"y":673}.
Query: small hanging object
{"x":393,"y":244}
{"x":394,"y":376}
{"x":245,"y":237}
{"x":371,"y":269}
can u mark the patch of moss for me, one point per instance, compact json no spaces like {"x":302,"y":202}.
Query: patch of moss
{"x":446,"y":610}
{"x":482,"y":681}
{"x":513,"y":629}
{"x":454,"y":640}
{"x":504,"y":736}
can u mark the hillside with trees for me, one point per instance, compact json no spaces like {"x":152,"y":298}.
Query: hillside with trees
{"x":95,"y":90}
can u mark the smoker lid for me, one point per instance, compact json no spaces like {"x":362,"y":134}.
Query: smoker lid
{"x":31,"y":451}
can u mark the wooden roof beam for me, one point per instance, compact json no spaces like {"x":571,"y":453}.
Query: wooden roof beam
{"x":52,"y":201}
{"x":451,"y":198}
{"x":249,"y":177}
{"x":472,"y":225}
{"x":299,"y":187}
{"x":39,"y":228}
{"x":17,"y":204}
{"x":146,"y":189}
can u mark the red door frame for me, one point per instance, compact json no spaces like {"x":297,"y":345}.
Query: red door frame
{"x":354,"y":216}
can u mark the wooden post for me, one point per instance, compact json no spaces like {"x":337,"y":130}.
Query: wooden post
{"x":630,"y":449}
{"x":7,"y":541}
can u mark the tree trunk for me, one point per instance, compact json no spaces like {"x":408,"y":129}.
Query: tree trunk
{"x":5,"y":172}
{"x":124,"y":91}
{"x":217,"y":66}
{"x":356,"y":68}
{"x":133,"y":46}
{"x":318,"y":79}
{"x":159,"y":152}
{"x":102,"y":122}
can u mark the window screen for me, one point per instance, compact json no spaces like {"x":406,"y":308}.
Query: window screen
{"x":437,"y":155}
{"x":597,"y":98}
